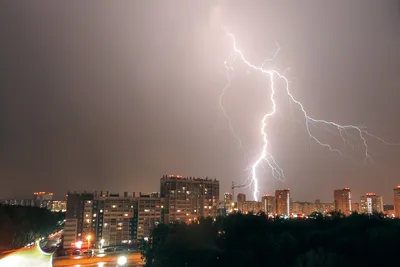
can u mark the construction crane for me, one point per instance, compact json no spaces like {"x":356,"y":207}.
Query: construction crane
{"x":236,"y":186}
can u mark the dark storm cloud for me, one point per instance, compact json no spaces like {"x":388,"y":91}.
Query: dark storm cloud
{"x":113,"y":95}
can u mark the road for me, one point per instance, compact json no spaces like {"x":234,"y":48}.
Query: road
{"x":133,"y":259}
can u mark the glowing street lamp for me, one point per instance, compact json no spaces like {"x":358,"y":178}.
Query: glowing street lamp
{"x":88,"y":240}
{"x":78,"y":244}
{"x":122,"y":260}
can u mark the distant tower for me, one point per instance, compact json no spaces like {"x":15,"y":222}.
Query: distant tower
{"x":268,"y":204}
{"x":371,"y":203}
{"x":228,"y":200}
{"x":241,"y":197}
{"x":282,"y":198}
{"x":396,"y":192}
{"x":342,"y":199}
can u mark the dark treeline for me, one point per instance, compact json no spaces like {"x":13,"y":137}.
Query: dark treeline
{"x":20,"y":225}
{"x":253,"y":240}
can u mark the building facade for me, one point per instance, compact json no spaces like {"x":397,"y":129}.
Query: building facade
{"x":324,"y":208}
{"x":111,"y":219}
{"x":282,"y":198}
{"x":268,"y":204}
{"x":305,"y":208}
{"x":59,"y":206}
{"x":342,"y":200}
{"x":70,"y":232}
{"x":188,"y":198}
{"x":77,"y":214}
{"x":241,"y":197}
{"x":371,"y":203}
{"x":117,"y":216}
{"x":43,"y":199}
{"x":355,"y":207}
{"x":249,"y":206}
{"x":228,"y":204}
{"x":396,"y":193}
{"x":150,"y":212}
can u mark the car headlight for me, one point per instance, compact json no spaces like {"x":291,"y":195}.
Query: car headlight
{"x":122,"y":260}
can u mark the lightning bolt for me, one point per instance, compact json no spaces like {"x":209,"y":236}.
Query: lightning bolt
{"x":265,"y":155}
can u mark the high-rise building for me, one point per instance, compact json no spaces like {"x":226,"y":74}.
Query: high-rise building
{"x":117,"y":216}
{"x":77,"y":209}
{"x":150,"y":212}
{"x":342,"y":198}
{"x":371,"y":203}
{"x":70,"y":232}
{"x":111,"y":219}
{"x":228,"y":201}
{"x":282,"y":198}
{"x":187,"y":198}
{"x":241,"y":197}
{"x":396,"y":192}
{"x":268,"y":204}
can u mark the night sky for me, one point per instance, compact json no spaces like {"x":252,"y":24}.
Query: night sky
{"x":112,"y":95}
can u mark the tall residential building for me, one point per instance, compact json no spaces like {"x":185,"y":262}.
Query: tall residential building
{"x":268,"y":204}
{"x":282,"y":198}
{"x":111,"y":219}
{"x":371,"y":203}
{"x":70,"y":232}
{"x":241,"y":197}
{"x":396,"y":192}
{"x":117,"y":216}
{"x":228,"y":201}
{"x":150,"y":212}
{"x":76,"y":214}
{"x":342,"y":200}
{"x":187,"y":198}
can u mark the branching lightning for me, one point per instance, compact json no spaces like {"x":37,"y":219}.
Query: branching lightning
{"x":265,"y":156}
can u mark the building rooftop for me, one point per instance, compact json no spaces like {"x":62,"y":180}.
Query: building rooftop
{"x":180,"y":177}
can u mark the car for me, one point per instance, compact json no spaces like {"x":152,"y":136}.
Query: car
{"x":76,"y":252}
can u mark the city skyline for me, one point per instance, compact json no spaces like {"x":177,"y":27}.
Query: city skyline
{"x":115,"y":99}
{"x":338,"y":200}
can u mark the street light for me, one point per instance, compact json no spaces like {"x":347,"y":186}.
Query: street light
{"x":122,"y":261}
{"x":88,"y":240}
{"x":78,"y":244}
